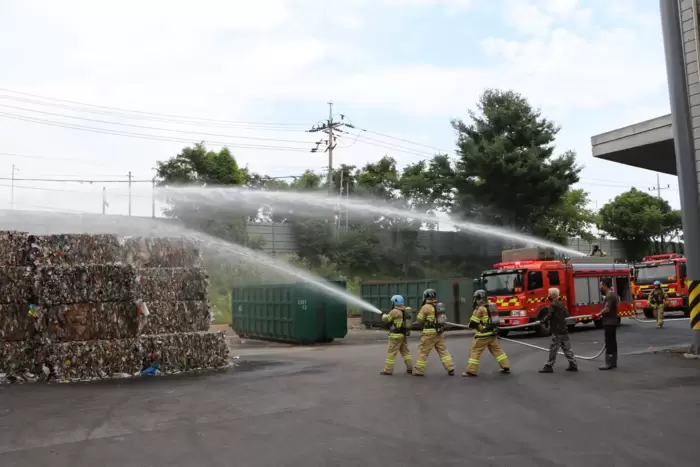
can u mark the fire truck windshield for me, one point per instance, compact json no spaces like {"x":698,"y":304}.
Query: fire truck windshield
{"x":647,"y":274}
{"x":503,"y":283}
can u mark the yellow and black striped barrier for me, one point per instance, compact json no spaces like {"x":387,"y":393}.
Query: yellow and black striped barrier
{"x":694,"y":304}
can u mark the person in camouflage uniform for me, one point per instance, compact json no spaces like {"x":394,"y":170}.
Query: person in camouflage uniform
{"x":556,"y":316}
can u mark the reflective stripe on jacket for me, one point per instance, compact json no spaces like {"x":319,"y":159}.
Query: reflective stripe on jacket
{"x":426,"y":317}
{"x":480,"y":317}
{"x":395,"y":319}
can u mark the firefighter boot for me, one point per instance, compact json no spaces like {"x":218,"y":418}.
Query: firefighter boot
{"x":572,"y":367}
{"x":409,"y":371}
{"x":451,"y":372}
{"x":505,"y":371}
{"x":385,"y":373}
{"x":547,"y":369}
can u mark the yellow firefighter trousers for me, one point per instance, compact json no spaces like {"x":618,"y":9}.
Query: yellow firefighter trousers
{"x":659,"y":312}
{"x":397,"y":343}
{"x":429,"y":342}
{"x":478,"y":346}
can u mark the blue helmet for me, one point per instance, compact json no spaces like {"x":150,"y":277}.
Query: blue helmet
{"x":657,"y":283}
{"x":397,"y":300}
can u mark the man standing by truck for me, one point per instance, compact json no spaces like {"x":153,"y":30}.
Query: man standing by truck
{"x":657,"y":301}
{"x":609,"y":317}
{"x":556,"y":315}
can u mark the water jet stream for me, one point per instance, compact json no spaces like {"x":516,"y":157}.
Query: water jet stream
{"x":235,"y":199}
{"x":54,"y":223}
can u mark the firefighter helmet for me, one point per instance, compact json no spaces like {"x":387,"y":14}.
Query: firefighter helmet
{"x":480,"y":295}
{"x":429,"y":294}
{"x":657,"y":284}
{"x":397,"y":300}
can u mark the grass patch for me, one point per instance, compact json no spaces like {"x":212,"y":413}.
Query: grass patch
{"x":222,"y":308}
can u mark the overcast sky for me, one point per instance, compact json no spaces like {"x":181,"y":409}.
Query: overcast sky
{"x":402,"y":68}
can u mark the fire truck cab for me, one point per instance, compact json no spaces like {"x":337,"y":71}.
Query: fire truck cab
{"x":519,"y":286}
{"x":670,"y":270}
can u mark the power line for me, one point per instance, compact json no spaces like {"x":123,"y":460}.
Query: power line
{"x":141,"y":112}
{"x":153,"y":128}
{"x":74,"y":180}
{"x":406,"y":141}
{"x":145,"y":135}
{"x":58,"y":190}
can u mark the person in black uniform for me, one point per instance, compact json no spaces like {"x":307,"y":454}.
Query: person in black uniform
{"x":609,"y":318}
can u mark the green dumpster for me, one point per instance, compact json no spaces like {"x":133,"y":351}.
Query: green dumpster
{"x":297,"y":313}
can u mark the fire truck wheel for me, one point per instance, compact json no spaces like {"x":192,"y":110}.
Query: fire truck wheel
{"x":542,"y":330}
{"x":648,"y":313}
{"x":686,"y":312}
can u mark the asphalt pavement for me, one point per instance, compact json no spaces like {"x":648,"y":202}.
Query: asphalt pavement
{"x":328,"y":406}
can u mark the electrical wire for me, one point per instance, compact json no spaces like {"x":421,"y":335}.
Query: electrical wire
{"x":140,"y":112}
{"x":407,"y":141}
{"x":155,"y":128}
{"x":147,"y":136}
{"x":74,"y":180}
{"x":58,"y":190}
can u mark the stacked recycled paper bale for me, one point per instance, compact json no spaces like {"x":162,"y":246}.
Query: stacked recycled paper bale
{"x":92,"y":306}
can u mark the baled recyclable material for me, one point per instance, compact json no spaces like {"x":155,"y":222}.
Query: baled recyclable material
{"x":59,"y":285}
{"x":13,"y":248}
{"x":171,"y":284}
{"x":153,"y":252}
{"x":73,"y":249}
{"x":92,"y":321}
{"x":81,"y":307}
{"x":14,"y":322}
{"x":86,"y":360}
{"x":180,"y":316}
{"x":16,"y":284}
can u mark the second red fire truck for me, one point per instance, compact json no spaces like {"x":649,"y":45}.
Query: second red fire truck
{"x":519,"y":286}
{"x":670,"y":270}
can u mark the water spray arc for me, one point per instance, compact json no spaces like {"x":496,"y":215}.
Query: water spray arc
{"x":93,"y":223}
{"x":231,"y":198}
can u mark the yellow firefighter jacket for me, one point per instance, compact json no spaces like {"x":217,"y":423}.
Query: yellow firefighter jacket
{"x":480,"y":322}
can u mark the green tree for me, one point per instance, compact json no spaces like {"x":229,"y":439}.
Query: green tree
{"x":198,"y":166}
{"x":506,"y":170}
{"x":637,"y":219}
{"x":568,"y":219}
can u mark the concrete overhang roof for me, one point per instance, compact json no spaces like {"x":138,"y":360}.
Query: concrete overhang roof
{"x":647,"y":145}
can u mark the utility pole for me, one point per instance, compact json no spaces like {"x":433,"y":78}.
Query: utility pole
{"x":686,"y":167}
{"x":333,"y":129}
{"x":340,"y":203}
{"x":104,"y":200}
{"x":347,"y":202}
{"x":330,"y":147}
{"x":12,"y":187}
{"x":153,"y":198}
{"x":658,"y":187}
{"x":130,"y":192}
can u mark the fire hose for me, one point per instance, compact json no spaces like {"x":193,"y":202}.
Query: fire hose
{"x":532,"y":346}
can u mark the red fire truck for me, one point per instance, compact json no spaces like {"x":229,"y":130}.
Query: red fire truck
{"x":519,"y":285}
{"x":670,"y":270}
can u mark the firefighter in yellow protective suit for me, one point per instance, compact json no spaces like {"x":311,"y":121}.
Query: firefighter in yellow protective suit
{"x":399,"y":331}
{"x":432,"y":317}
{"x":657,"y":300}
{"x":485,"y":337}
